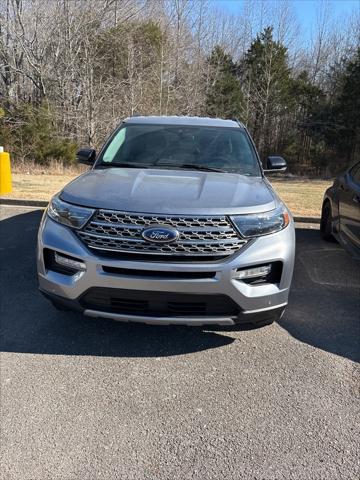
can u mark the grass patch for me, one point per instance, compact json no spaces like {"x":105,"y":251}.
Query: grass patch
{"x":302,"y":196}
{"x":38,"y":187}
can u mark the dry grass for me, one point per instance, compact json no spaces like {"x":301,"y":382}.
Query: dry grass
{"x":303,"y":196}
{"x":38,"y":187}
{"x":54,"y":168}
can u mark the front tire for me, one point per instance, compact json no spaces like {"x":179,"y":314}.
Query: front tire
{"x":326,"y":232}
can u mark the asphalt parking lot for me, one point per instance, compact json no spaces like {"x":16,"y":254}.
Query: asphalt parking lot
{"x":93,"y":399}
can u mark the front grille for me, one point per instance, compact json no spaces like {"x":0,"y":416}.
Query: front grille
{"x":198,"y":235}
{"x":159,"y":304}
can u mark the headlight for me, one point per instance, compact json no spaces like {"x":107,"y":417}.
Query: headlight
{"x":258,"y":224}
{"x":67,"y":214}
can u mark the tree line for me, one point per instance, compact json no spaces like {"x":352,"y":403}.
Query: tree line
{"x":71,"y":70}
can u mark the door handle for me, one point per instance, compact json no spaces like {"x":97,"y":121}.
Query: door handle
{"x":356,"y":198}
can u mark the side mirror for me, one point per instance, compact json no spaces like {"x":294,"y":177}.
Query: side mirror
{"x":86,"y":156}
{"x":275,"y":164}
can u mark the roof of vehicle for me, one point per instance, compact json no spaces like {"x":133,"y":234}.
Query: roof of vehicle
{"x":189,"y":121}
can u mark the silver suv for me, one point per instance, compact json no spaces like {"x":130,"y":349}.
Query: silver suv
{"x":175,"y":223}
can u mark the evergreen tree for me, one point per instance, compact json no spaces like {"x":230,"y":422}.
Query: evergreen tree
{"x":224,"y":98}
{"x":298,"y":143}
{"x":347,"y":110}
{"x":266,"y":82}
{"x":334,"y":123}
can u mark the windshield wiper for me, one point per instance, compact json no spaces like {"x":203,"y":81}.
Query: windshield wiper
{"x":187,"y":166}
{"x":122,"y":165}
{"x":181,"y":166}
{"x":202,"y":167}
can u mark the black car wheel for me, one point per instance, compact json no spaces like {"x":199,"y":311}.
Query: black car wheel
{"x":326,"y":222}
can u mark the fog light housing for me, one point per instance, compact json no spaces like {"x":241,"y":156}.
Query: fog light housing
{"x":253,"y":272}
{"x":70,"y":263}
{"x":260,"y":274}
{"x":62,"y":263}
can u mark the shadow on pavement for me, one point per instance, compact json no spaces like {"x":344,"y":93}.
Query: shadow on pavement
{"x":323,"y":311}
{"x":324,"y":305}
{"x":30,"y":324}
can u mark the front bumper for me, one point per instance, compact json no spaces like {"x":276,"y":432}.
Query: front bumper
{"x":259,"y":303}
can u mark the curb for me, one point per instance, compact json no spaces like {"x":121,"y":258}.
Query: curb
{"x":23,"y":203}
{"x":307,"y":219}
{"x":43,"y":204}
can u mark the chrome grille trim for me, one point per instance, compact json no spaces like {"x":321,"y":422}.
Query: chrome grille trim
{"x":176,"y":221}
{"x":198,"y":235}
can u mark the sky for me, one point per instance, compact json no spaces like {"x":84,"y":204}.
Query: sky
{"x":306,"y":10}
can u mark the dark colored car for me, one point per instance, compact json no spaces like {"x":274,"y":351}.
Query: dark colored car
{"x":340,"y":217}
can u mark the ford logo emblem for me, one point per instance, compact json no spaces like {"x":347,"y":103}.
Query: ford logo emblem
{"x":160,"y":234}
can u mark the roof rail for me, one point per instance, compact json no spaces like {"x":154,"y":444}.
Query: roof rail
{"x":239,"y":123}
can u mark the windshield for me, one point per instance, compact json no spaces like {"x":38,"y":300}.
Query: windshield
{"x":181,"y":147}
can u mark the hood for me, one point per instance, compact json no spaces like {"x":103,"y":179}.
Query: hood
{"x":170,"y":191}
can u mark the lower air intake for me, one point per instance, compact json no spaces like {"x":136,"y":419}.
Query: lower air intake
{"x":138,"y":302}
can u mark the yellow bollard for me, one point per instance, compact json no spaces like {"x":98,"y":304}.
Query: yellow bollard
{"x":5,"y":172}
